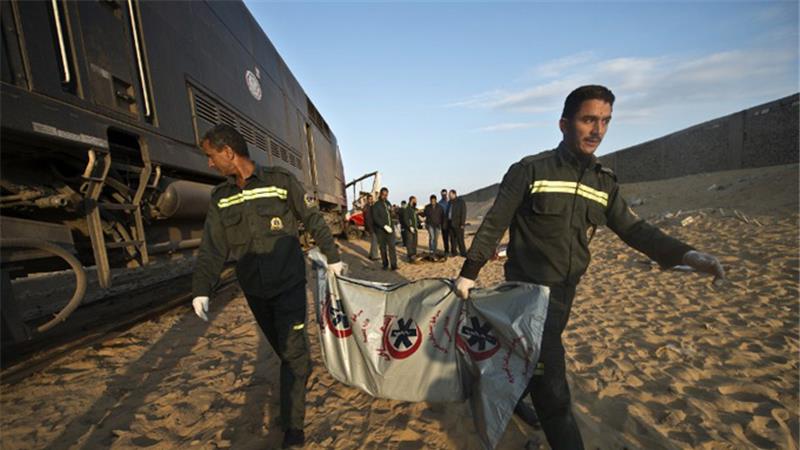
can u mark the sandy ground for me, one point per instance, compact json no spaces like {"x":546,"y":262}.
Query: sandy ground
{"x":657,"y":359}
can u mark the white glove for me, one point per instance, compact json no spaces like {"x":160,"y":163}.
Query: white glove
{"x":387,"y":228}
{"x":336,"y":268}
{"x":200,"y":305}
{"x":703,"y":262}
{"x":463,"y":285}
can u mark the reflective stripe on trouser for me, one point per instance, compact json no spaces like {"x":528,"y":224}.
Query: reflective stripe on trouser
{"x":281,"y":319}
{"x":549,"y":389}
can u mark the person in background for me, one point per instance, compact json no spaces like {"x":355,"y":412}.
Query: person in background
{"x":457,"y":216}
{"x":384,"y":228}
{"x":410,"y":222}
{"x":434,"y":216}
{"x":398,"y":215}
{"x":553,"y":202}
{"x":445,"y":204}
{"x":369,"y":227}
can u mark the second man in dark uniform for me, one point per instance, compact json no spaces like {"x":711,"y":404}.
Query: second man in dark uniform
{"x":553,"y":202}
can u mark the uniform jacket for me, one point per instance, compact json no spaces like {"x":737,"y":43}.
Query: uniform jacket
{"x":382,"y":214}
{"x":257,"y":226}
{"x":553,"y":202}
{"x":409,"y":218}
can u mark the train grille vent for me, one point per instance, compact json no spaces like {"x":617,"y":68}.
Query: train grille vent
{"x":317,"y":119}
{"x":213,"y":113}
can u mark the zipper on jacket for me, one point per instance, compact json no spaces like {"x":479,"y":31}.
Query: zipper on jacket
{"x":571,"y":217}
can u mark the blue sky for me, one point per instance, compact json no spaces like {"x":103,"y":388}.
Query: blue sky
{"x":450,"y":94}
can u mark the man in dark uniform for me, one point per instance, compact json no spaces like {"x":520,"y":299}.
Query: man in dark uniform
{"x":553,"y":202}
{"x":253,"y":218}
{"x":369,"y":226}
{"x":384,"y":228}
{"x":457,"y":216}
{"x":400,"y":212}
{"x":410,"y":222}
{"x":445,"y":204}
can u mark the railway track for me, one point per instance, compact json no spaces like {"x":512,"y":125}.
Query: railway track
{"x":100,"y":321}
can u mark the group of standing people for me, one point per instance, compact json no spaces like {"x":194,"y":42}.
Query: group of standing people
{"x":446,"y":216}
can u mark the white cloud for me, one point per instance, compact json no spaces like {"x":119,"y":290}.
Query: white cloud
{"x":644,"y":85}
{"x":507,"y":126}
{"x":555,"y":67}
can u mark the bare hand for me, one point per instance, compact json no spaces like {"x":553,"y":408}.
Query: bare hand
{"x":463,"y":285}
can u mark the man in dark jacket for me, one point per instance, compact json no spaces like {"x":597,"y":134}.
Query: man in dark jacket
{"x":457,"y":220}
{"x":410,"y":225}
{"x":553,"y":203}
{"x":369,"y":227}
{"x":445,"y":204}
{"x":384,"y":229}
{"x":253,"y":218}
{"x":434,"y":216}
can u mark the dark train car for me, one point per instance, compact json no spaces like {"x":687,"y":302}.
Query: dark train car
{"x":102,"y":106}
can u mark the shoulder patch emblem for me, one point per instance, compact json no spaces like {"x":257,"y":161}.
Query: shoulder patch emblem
{"x":276,"y":224}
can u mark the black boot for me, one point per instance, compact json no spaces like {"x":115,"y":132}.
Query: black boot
{"x":293,"y":438}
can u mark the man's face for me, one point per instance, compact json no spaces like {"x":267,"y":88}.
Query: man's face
{"x":222,"y":160}
{"x":413,"y":202}
{"x":433,"y":201}
{"x":444,"y":194}
{"x":452,"y":195}
{"x":369,"y":200}
{"x":384,"y":195}
{"x":586,"y":129}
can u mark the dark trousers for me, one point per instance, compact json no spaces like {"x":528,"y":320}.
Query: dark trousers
{"x":548,"y":387}
{"x":282,"y":320}
{"x":386,"y":244}
{"x":411,"y":242}
{"x":457,"y":245}
{"x":446,"y":238}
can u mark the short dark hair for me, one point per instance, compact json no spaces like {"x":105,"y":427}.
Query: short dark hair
{"x":369,"y":195}
{"x":224,"y":134}
{"x":590,"y":92}
{"x":384,"y":189}
{"x":433,"y":196}
{"x":453,"y":191}
{"x":444,"y":190}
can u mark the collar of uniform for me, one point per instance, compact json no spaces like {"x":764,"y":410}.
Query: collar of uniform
{"x":565,"y":155}
{"x":259,"y":173}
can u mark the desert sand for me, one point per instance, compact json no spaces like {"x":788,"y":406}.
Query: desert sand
{"x":657,"y":359}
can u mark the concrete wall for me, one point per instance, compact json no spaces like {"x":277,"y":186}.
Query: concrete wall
{"x":765,"y":135}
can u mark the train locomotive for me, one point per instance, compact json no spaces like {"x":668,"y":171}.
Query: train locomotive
{"x":102,"y":106}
